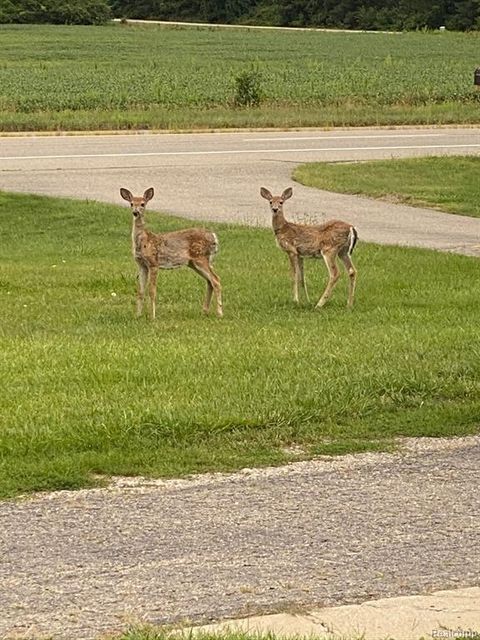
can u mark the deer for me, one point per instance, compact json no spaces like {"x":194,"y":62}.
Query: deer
{"x":331,"y":240}
{"x":194,"y":248}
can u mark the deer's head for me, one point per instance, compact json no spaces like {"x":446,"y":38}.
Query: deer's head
{"x":276,"y":202}
{"x":137,"y":203}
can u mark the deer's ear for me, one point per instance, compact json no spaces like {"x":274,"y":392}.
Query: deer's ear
{"x":265,"y":193}
{"x":288,"y":193}
{"x":148,"y":195}
{"x":126,"y":194}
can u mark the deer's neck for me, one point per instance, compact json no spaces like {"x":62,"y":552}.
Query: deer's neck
{"x":138,"y":229}
{"x":278,"y":221}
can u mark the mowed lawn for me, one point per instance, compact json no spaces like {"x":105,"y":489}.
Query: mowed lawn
{"x":124,"y":76}
{"x":445,"y":183}
{"x":89,"y":390}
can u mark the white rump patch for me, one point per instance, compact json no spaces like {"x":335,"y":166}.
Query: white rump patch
{"x":215,"y":247}
{"x":352,"y":240}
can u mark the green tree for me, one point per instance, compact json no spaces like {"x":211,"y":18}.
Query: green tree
{"x":349,"y":14}
{"x":466,"y":15}
{"x":55,"y":11}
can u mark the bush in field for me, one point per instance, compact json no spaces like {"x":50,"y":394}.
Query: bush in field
{"x":247,"y":88}
{"x":55,"y":11}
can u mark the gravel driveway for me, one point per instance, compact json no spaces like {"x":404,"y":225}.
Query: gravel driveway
{"x":334,"y":530}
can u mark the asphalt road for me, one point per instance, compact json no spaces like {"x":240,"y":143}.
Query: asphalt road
{"x":217,"y":176}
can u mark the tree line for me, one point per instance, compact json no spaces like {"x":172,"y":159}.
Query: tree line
{"x":346,"y":14}
{"x":399,"y":15}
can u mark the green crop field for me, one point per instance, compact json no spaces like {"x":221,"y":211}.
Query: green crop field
{"x":89,"y":389}
{"x":119,"y":76}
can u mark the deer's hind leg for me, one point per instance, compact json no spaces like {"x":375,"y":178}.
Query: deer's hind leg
{"x":352,"y":277}
{"x":203,"y":268}
{"x":208,"y":297}
{"x":333,"y":276}
{"x":217,"y":287}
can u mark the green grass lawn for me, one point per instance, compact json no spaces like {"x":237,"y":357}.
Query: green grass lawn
{"x":89,"y":389}
{"x":73,"y":77}
{"x":446,"y":183}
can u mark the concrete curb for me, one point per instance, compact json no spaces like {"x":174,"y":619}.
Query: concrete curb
{"x":442,"y":614}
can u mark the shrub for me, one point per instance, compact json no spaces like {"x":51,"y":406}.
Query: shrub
{"x":247,"y":88}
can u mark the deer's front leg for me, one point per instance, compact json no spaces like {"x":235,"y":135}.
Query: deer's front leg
{"x":142,"y":282}
{"x":295,"y":274}
{"x":302,"y":277}
{"x":153,"y":290}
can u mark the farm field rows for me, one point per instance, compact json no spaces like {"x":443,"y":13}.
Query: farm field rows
{"x":91,"y":390}
{"x":118,"y":76}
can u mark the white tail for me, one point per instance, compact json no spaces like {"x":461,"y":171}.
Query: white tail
{"x":332,"y":240}
{"x":193,"y":248}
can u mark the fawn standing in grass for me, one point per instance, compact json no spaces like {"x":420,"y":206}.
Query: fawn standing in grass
{"x":193,"y":248}
{"x":328,"y":241}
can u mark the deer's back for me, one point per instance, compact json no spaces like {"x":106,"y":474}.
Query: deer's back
{"x":197,"y":242}
{"x":175,"y":248}
{"x":312,"y":240}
